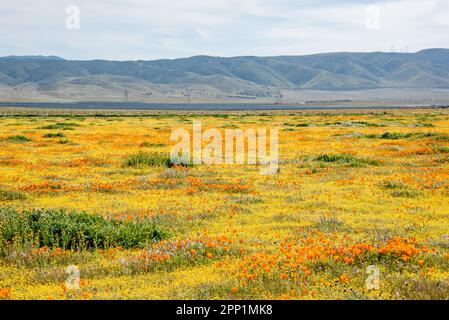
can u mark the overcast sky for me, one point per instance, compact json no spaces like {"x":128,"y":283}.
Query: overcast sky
{"x":153,"y":29}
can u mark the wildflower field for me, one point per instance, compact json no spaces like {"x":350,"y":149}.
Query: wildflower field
{"x":359,"y":194}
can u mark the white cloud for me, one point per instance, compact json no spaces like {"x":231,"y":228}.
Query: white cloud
{"x":140,"y":29}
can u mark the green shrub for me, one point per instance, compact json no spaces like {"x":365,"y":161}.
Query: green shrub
{"x":304,"y":124}
{"x":152,"y":145}
{"x":400,"y":190}
{"x":395,"y":135}
{"x":7,"y":195}
{"x":356,"y":123}
{"x":443,"y":160}
{"x":142,"y":159}
{"x":421,"y":289}
{"x":425,"y":125}
{"x":64,"y":141}
{"x":442,"y":149}
{"x":393,"y":185}
{"x":18,"y":139}
{"x":346,"y":159}
{"x":370,"y":136}
{"x":60,"y":126}
{"x":405,"y":193}
{"x":329,"y":224}
{"x":74,"y":231}
{"x":54,"y":135}
{"x":398,"y":135}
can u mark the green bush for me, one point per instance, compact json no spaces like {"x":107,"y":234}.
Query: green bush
{"x":74,"y":231}
{"x":54,"y":135}
{"x":60,"y":126}
{"x":442,"y":149}
{"x":443,"y":160}
{"x":7,"y":195}
{"x":346,"y":159}
{"x":418,"y":135}
{"x":393,"y":185}
{"x":304,"y":125}
{"x":400,"y":190}
{"x":329,"y":224}
{"x":18,"y":139}
{"x":425,"y":125}
{"x":64,"y":141}
{"x":148,"y":160}
{"x":152,"y":145}
{"x":395,"y":135}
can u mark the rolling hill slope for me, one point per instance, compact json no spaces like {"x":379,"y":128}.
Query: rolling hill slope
{"x":214,"y":76}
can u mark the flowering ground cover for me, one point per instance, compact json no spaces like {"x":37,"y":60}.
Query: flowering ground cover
{"x":359,"y":194}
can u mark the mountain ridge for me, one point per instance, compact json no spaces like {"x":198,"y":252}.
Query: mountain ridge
{"x":245,"y":75}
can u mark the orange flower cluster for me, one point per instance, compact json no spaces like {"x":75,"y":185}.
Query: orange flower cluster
{"x":50,"y":252}
{"x":102,"y":187}
{"x":404,"y":248}
{"x":44,"y":187}
{"x":5,"y":293}
{"x":295,"y":257}
{"x":111,"y":251}
{"x":229,"y":187}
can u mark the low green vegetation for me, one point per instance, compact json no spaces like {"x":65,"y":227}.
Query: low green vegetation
{"x":356,"y":123}
{"x":442,"y":149}
{"x":346,"y":159}
{"x":18,"y":138}
{"x":297,"y":124}
{"x":54,"y":135}
{"x":63,"y":141}
{"x":74,"y":230}
{"x":329,"y":224}
{"x":401,"y":135}
{"x":60,"y":126}
{"x":152,"y":145}
{"x":7,"y":195}
{"x":400,"y":190}
{"x":142,"y":159}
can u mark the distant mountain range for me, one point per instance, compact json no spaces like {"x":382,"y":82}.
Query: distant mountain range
{"x":38,"y":77}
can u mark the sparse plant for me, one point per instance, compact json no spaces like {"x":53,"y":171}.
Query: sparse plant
{"x":142,"y":159}
{"x":347,"y":159}
{"x":54,"y":135}
{"x":8,"y":195}
{"x":19,"y":138}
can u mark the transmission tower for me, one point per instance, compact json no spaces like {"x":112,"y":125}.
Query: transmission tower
{"x":279,"y":97}
{"x":126,"y":99}
{"x":188,"y":95}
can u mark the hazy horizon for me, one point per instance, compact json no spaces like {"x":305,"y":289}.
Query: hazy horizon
{"x":219,"y":56}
